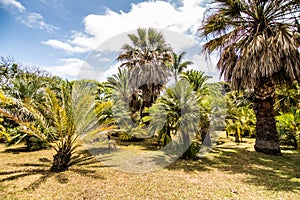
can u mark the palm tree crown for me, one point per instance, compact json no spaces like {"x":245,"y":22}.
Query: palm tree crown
{"x":258,"y":41}
{"x":177,"y":64}
{"x":146,"y":60}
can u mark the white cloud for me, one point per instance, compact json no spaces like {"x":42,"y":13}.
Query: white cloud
{"x":14,"y":4}
{"x":104,"y":60}
{"x":157,"y":14}
{"x":69,"y":68}
{"x":74,"y":68}
{"x":30,"y":19}
{"x":33,"y":20}
{"x":207,"y":65}
{"x":65,"y":46}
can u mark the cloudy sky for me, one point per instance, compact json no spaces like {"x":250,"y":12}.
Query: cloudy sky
{"x":71,"y":38}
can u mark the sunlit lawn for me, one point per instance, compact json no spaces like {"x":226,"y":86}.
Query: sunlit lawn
{"x":230,"y":171}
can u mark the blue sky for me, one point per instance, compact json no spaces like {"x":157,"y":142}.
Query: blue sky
{"x":61,"y":35}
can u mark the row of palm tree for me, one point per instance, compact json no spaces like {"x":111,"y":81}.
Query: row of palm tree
{"x":258,"y":43}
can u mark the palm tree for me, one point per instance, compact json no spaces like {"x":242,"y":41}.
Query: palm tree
{"x":146,"y":59}
{"x":177,"y":65}
{"x":259,"y":48}
{"x":177,"y":111}
{"x":63,"y":118}
{"x":198,"y":81}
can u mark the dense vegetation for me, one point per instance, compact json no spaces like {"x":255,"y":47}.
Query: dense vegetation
{"x":258,"y":42}
{"x":157,"y":103}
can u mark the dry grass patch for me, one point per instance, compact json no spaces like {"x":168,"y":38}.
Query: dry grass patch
{"x":230,"y":171}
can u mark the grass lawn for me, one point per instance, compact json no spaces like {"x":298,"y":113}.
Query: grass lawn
{"x":230,"y":171}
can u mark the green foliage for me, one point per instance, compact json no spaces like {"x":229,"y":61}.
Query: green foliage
{"x":146,"y":59}
{"x":24,"y":85}
{"x":191,"y":152}
{"x":63,"y":117}
{"x":177,"y":65}
{"x":3,"y":133}
{"x":33,"y":143}
{"x":9,"y":69}
{"x":288,"y":127}
{"x":126,"y":107}
{"x":169,"y":115}
{"x":287,"y":97}
{"x":198,"y":81}
{"x":240,"y":119}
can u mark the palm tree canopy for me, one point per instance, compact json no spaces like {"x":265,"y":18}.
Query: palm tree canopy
{"x":146,"y":58}
{"x":177,"y":64}
{"x":257,"y":40}
{"x":198,"y":80}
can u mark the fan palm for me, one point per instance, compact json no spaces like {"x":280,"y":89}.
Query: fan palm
{"x":146,"y":60}
{"x":177,"y":65}
{"x":259,"y":48}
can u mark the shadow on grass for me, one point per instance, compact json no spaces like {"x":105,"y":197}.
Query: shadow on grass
{"x":82,"y":161}
{"x":277,"y":173}
{"x":272,"y":172}
{"x":17,"y":150}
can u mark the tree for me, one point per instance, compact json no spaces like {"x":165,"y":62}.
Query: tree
{"x":198,"y":81}
{"x":28,"y":87}
{"x":63,"y":117}
{"x":259,"y":48}
{"x":176,"y":112}
{"x":177,"y":65}
{"x":146,"y":60}
{"x":9,"y":69}
{"x":240,"y":118}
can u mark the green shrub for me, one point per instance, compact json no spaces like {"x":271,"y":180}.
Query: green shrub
{"x":192,"y":151}
{"x":288,"y":128}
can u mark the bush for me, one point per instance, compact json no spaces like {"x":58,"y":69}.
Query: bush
{"x":192,"y":151}
{"x":288,"y":128}
{"x":33,"y":143}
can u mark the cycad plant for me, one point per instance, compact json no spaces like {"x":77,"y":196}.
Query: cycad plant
{"x":126,"y":106}
{"x":241,"y":123}
{"x":198,"y":80}
{"x":176,"y":115}
{"x":288,"y":127}
{"x":63,"y":118}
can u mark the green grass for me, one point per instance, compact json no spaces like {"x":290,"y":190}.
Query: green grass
{"x":230,"y":171}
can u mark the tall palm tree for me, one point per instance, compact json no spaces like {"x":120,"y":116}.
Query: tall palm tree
{"x":146,"y":60}
{"x":177,"y":65}
{"x":259,"y":48}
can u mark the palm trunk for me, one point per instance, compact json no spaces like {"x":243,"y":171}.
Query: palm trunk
{"x":267,"y":140}
{"x":61,"y":161}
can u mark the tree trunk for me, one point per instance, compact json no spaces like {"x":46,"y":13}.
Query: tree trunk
{"x":61,"y":161}
{"x":267,"y":140}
